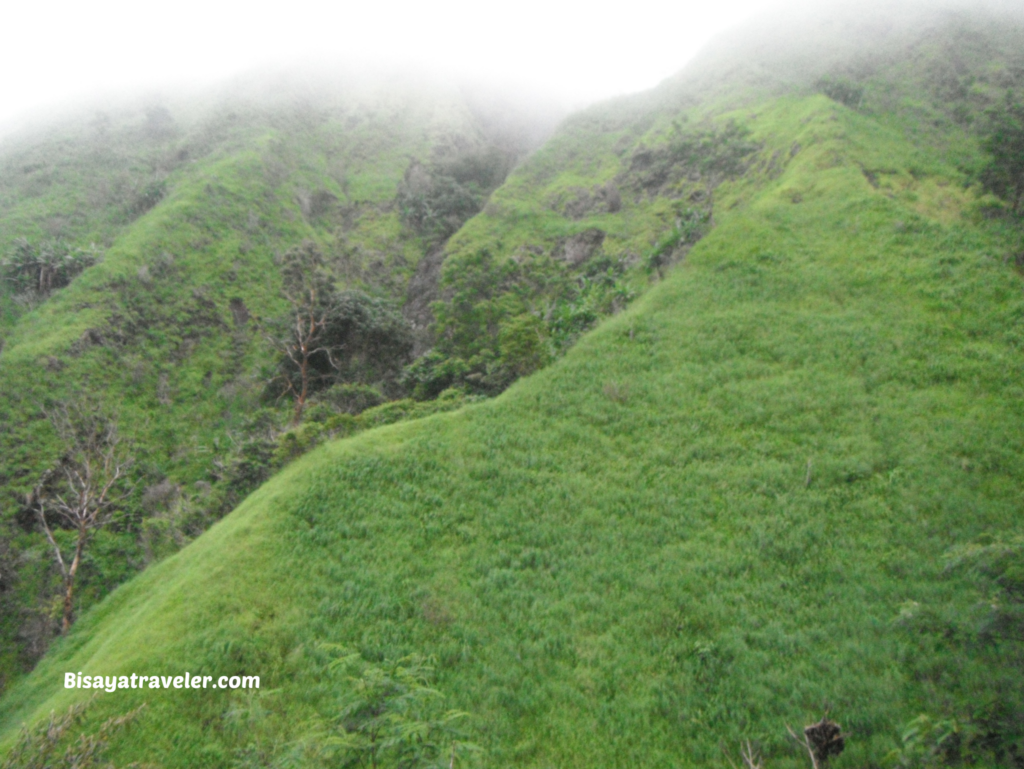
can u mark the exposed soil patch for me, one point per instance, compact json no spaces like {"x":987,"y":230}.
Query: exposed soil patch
{"x":582,"y":246}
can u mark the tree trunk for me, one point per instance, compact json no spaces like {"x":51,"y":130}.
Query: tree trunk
{"x":300,"y":401}
{"x":69,"y":582}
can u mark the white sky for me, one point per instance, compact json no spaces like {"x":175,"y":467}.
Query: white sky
{"x":58,"y":51}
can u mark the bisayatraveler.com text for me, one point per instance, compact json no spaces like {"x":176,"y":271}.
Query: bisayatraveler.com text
{"x":134,"y":681}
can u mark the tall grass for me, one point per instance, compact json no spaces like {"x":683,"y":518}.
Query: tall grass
{"x":696,"y":528}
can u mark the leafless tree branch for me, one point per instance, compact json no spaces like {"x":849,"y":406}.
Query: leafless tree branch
{"x":84,"y":489}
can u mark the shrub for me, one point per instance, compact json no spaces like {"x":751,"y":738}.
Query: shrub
{"x":297,"y":442}
{"x":433,"y":372}
{"x":40,"y":747}
{"x":968,"y":658}
{"x":373,"y":339}
{"x":392,"y":716}
{"x":523,"y":346}
{"x":1004,"y":141}
{"x":434,"y":204}
{"x":253,"y":465}
{"x":387,"y":413}
{"x":40,"y":269}
{"x":350,"y":398}
{"x":436,"y":201}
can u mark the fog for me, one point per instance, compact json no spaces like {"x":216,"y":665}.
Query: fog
{"x":66,"y":54}
{"x":67,"y":51}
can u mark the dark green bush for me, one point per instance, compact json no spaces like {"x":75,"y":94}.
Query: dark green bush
{"x":433,"y":372}
{"x":349,"y":398}
{"x":253,"y":465}
{"x":373,"y":339}
{"x":969,"y":661}
{"x":44,"y":267}
{"x":1004,"y":142}
{"x":434,"y":202}
{"x":523,"y":345}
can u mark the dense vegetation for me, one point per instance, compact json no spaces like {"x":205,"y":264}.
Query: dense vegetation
{"x":786,"y":479}
{"x":178,"y":222}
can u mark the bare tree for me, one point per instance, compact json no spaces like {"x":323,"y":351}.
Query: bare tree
{"x":751,"y":758}
{"x":304,"y":344}
{"x":84,"y":489}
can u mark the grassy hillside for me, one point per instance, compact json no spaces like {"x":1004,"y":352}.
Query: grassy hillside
{"x":625,"y":188}
{"x":189,"y":203}
{"x":737,"y":503}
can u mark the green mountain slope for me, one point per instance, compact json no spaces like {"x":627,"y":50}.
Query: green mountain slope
{"x":626,"y":187}
{"x":190,"y":202}
{"x":725,"y":509}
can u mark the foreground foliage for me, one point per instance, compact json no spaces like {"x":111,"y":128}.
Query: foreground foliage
{"x":40,"y":748}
